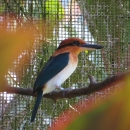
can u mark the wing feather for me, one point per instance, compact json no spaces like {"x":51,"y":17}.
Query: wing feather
{"x":52,"y":67}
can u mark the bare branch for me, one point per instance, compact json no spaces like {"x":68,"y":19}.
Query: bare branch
{"x":71,"y":93}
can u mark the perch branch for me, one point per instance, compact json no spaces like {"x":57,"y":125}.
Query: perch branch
{"x":71,"y":93}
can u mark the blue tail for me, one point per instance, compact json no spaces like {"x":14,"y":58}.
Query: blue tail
{"x":37,"y":103}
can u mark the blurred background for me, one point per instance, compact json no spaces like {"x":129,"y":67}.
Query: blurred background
{"x":31,"y":30}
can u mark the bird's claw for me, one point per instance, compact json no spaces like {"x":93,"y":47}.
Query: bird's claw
{"x":51,"y":92}
{"x":64,"y":90}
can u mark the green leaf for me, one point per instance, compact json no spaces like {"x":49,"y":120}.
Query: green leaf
{"x":54,"y":10}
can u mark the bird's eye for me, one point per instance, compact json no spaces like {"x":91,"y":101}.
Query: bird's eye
{"x":76,"y":43}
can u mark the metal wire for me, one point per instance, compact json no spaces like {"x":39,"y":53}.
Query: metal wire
{"x":102,"y":22}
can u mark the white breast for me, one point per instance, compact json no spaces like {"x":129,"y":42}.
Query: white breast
{"x":59,"y":78}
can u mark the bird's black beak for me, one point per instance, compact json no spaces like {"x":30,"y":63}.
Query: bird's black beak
{"x":91,"y":46}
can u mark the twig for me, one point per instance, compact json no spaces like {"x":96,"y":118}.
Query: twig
{"x":71,"y":93}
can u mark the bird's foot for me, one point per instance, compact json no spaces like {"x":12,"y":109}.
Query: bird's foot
{"x":59,"y":88}
{"x":64,"y":91}
{"x":51,"y":92}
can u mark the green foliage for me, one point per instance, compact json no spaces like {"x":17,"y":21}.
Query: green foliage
{"x":109,"y":23}
{"x":54,"y":10}
{"x":105,"y":19}
{"x":2,"y":7}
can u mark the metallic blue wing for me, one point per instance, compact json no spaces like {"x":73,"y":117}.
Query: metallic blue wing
{"x":52,"y":67}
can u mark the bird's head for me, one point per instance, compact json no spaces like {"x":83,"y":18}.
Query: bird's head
{"x":78,"y":45}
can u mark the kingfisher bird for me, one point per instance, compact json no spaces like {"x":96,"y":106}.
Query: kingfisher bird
{"x":59,"y":67}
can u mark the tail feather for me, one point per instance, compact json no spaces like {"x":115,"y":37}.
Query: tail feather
{"x":37,"y":103}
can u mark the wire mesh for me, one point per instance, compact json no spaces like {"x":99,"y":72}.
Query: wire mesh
{"x":103,"y":22}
